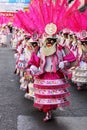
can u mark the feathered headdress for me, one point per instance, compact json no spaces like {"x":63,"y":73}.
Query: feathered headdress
{"x":45,"y":13}
{"x":45,"y":16}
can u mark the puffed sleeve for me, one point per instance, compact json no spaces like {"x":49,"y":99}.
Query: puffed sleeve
{"x":34,"y":60}
{"x":69,"y":56}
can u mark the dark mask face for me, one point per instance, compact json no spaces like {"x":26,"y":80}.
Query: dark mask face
{"x":66,"y":35}
{"x":34,"y":44}
{"x":27,"y":38}
{"x":50,"y":40}
{"x":84,"y":43}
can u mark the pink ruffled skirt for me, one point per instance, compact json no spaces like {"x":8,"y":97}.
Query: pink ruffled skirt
{"x":50,"y":91}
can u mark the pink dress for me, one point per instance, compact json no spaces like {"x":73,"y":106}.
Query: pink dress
{"x":50,"y":86}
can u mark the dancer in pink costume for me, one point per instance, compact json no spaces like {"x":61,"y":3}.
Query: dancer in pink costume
{"x":33,"y":46}
{"x":3,"y":36}
{"x":50,"y":84}
{"x":80,"y":73}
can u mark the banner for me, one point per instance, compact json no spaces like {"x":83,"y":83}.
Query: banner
{"x":14,"y":1}
{"x":13,"y":5}
{"x":8,"y":14}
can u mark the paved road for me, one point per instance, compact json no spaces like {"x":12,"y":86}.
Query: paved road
{"x":18,"y":113}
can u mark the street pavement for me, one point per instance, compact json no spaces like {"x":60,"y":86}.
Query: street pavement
{"x":18,"y":113}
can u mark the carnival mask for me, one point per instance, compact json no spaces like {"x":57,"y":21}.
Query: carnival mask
{"x":50,"y":42}
{"x":49,"y":46}
{"x":34,"y":44}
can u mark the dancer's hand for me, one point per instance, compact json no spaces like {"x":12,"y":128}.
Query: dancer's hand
{"x":61,"y":65}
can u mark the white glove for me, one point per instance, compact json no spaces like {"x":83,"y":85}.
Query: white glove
{"x":82,"y":63}
{"x":33,"y":69}
{"x":61,"y":65}
{"x":15,"y":55}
